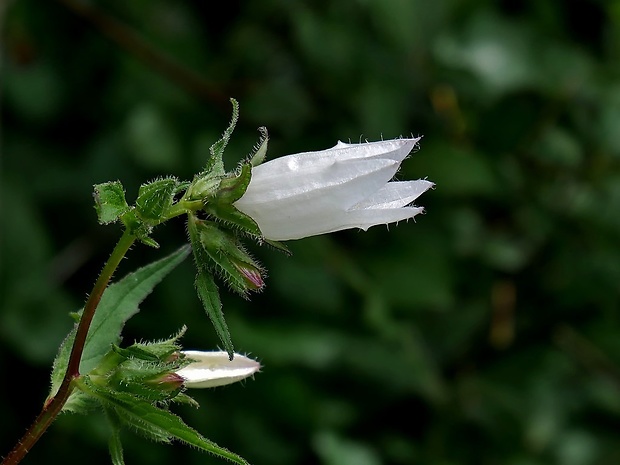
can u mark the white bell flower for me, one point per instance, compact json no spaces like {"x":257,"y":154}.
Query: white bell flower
{"x":211,"y":369}
{"x":347,"y":186}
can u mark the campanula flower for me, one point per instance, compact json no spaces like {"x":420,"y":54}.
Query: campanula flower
{"x":347,"y":186}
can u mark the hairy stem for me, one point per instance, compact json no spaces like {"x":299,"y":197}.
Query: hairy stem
{"x":53,"y":406}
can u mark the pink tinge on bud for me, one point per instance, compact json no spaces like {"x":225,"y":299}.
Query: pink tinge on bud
{"x":173,"y":357}
{"x":168,"y":382}
{"x":251,"y":274}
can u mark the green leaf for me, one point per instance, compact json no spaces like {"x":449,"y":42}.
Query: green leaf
{"x":206,"y":287}
{"x":210,"y":297}
{"x":155,"y":198}
{"x":155,"y":423}
{"x":110,"y":201}
{"x":114,"y":444}
{"x":80,"y":402}
{"x":119,"y":303}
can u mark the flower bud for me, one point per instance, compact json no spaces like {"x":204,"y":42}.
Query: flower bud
{"x":228,"y":257}
{"x":251,"y":274}
{"x":210,"y":369}
{"x":168,"y":382}
{"x":203,"y":187}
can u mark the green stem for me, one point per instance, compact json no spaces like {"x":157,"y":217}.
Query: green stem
{"x":180,"y":208}
{"x":53,"y":406}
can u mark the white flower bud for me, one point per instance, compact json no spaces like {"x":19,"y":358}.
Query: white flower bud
{"x":210,"y":369}
{"x":347,"y":186}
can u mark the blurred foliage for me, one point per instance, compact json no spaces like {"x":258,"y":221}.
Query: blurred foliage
{"x":485,"y":333}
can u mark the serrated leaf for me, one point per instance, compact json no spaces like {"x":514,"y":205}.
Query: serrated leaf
{"x":155,"y":198}
{"x":80,"y":402}
{"x":155,"y":423}
{"x":110,"y":201}
{"x":119,"y":302}
{"x":210,"y":298}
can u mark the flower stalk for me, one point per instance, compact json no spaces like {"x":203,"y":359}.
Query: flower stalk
{"x":53,"y":405}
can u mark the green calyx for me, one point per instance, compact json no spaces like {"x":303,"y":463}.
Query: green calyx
{"x":207,"y":182}
{"x":213,"y":191}
{"x":230,"y":190}
{"x":144,"y":370}
{"x":224,"y":255}
{"x":219,"y":190}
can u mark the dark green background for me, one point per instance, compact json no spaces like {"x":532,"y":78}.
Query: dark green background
{"x":487,"y":332}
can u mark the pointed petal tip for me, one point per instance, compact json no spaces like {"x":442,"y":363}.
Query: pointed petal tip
{"x":399,"y":140}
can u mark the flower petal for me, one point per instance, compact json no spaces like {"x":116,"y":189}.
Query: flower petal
{"x":313,"y":183}
{"x":211,"y":369}
{"x":396,"y":149}
{"x":364,"y":219}
{"x":395,"y":195}
{"x":316,"y":204}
